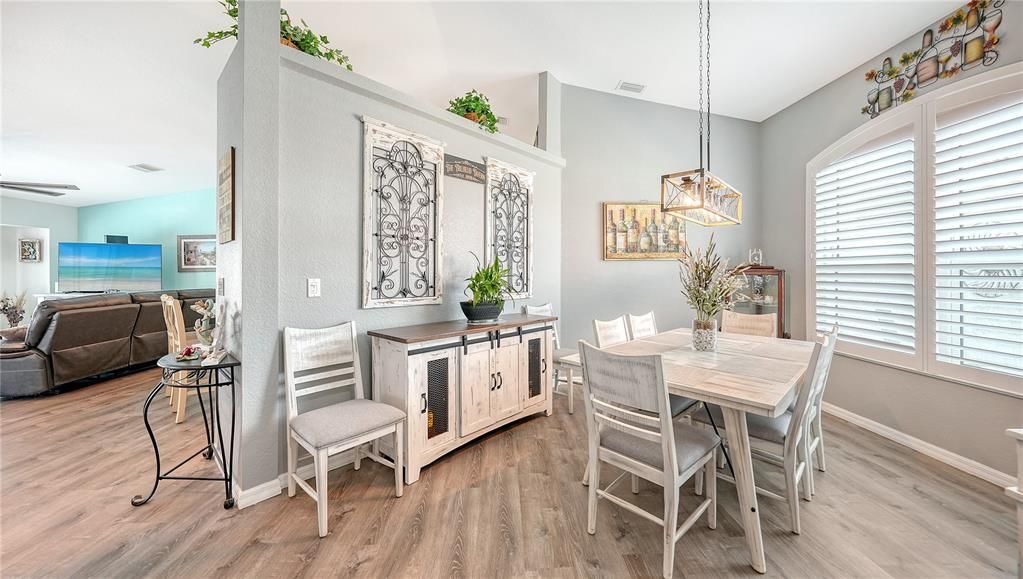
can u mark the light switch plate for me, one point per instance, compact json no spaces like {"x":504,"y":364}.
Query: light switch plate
{"x":220,"y":286}
{"x":312,"y":286}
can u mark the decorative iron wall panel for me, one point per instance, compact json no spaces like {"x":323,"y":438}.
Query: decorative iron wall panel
{"x":402,"y":201}
{"x":509,"y":224}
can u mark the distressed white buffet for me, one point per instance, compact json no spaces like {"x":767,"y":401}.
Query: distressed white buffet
{"x":456,"y":382}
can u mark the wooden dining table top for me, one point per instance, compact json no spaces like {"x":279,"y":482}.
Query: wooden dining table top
{"x":750,"y":373}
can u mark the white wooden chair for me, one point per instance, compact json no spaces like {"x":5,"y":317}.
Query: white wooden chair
{"x":326,"y":359}
{"x":783,"y":440}
{"x":610,"y":332}
{"x":562,"y":373}
{"x":630,"y":426}
{"x":750,"y":324}
{"x":815,"y":436}
{"x":177,"y":339}
{"x":642,"y":326}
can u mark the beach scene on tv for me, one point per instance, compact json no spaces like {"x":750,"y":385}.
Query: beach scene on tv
{"x":109,"y":267}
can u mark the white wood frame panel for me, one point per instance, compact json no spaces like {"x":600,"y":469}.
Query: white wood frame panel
{"x":496,"y":172}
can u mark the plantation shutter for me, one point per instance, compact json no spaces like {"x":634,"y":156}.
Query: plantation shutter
{"x":864,"y":245}
{"x":978,"y":235}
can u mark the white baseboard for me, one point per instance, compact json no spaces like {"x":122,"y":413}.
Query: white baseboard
{"x":272,"y":488}
{"x":969,"y":466}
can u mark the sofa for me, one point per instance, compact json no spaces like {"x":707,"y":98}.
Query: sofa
{"x":75,"y":338}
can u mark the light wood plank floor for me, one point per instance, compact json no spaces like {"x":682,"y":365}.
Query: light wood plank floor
{"x":510,"y":505}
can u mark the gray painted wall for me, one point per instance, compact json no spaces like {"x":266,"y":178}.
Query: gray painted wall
{"x":320,"y":215}
{"x":616,"y":149}
{"x":61,"y":220}
{"x":964,"y":420}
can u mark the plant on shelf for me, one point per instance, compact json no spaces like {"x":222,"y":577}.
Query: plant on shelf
{"x":708,"y":285}
{"x":475,"y":106}
{"x":299,"y":37}
{"x":13,"y":308}
{"x":488,"y":287}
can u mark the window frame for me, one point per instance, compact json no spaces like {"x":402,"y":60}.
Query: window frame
{"x":919,"y":114}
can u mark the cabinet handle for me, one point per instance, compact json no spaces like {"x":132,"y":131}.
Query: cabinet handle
{"x":423,"y":400}
{"x":543,"y":365}
{"x":501,"y":378}
{"x":493,"y":382}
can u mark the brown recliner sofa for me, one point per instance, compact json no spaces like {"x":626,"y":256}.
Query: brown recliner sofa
{"x":77,"y":338}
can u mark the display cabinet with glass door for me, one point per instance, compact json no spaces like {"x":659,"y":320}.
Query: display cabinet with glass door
{"x":764,"y":294}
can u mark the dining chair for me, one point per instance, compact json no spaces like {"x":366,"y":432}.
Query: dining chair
{"x":815,"y":437}
{"x":782,"y":440}
{"x":177,"y":340}
{"x":642,"y":326}
{"x":613,"y":332}
{"x":317,"y":361}
{"x":749,"y":324}
{"x":610,"y":332}
{"x":561,"y":371}
{"x":630,"y":427}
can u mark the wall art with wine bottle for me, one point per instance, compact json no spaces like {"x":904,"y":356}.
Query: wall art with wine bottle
{"x":639,"y":230}
{"x":966,"y":39}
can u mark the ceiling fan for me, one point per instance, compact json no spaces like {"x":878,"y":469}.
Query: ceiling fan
{"x":51,"y":189}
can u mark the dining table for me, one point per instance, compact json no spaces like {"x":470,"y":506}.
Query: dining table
{"x":744,"y":375}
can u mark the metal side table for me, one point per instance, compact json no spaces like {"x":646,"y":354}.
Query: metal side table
{"x":193,"y":375}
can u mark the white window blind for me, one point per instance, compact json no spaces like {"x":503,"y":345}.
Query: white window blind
{"x":978,"y":235}
{"x":864,"y":245}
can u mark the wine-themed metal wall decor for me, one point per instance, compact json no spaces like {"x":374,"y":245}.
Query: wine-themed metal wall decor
{"x":966,"y":39}
{"x":402,"y":202}
{"x":509,"y":223}
{"x":641,"y":231}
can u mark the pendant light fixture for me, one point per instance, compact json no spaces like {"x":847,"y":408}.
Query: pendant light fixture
{"x":698,"y":195}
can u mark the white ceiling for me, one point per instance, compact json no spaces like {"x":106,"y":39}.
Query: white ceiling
{"x":120,"y":83}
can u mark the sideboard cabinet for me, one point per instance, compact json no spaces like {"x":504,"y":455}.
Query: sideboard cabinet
{"x":456,"y":382}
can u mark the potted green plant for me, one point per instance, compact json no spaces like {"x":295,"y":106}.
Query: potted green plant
{"x":708,"y":285}
{"x":297,"y":37}
{"x":475,"y":106}
{"x":487,"y":287}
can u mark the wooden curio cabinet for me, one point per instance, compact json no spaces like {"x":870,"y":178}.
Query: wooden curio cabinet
{"x":765,"y":294}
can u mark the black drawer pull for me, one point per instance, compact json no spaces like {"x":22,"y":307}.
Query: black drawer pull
{"x":423,"y":400}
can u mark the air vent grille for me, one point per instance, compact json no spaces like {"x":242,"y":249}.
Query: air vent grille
{"x":631,"y":87}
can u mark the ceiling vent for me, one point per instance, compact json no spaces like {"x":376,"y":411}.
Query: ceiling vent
{"x":630,"y":87}
{"x":145,"y":168}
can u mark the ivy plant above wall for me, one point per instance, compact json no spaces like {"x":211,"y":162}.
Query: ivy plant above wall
{"x":298,"y":37}
{"x":475,"y":106}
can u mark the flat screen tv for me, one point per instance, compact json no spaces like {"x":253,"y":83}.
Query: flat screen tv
{"x":109,"y":267}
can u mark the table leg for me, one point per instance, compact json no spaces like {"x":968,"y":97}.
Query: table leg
{"x":224,"y":459}
{"x":742,"y":462}
{"x":137,"y":500}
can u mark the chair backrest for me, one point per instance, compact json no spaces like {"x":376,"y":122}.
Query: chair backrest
{"x":544,"y":310}
{"x":749,"y":324}
{"x":319,"y":360}
{"x":628,"y":393}
{"x":611,"y":332}
{"x":175,"y":320}
{"x":806,"y":392}
{"x":642,"y":326}
{"x":827,"y":355}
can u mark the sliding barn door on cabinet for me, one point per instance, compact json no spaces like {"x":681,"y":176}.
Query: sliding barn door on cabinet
{"x":506,"y":398}
{"x":534,"y":370}
{"x":478,"y":383}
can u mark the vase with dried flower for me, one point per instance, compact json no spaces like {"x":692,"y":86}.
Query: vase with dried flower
{"x":708,"y":285}
{"x":13,"y":308}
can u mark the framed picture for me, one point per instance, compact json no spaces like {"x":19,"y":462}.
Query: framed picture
{"x":225,"y":197}
{"x":639,"y":230}
{"x":197,"y":253}
{"x":30,"y":250}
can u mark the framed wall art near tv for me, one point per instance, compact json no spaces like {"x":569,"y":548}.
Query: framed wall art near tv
{"x":30,"y":250}
{"x":639,"y":230}
{"x":197,"y":253}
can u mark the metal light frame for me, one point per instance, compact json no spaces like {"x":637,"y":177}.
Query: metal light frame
{"x":701,"y":197}
{"x":698,"y":195}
